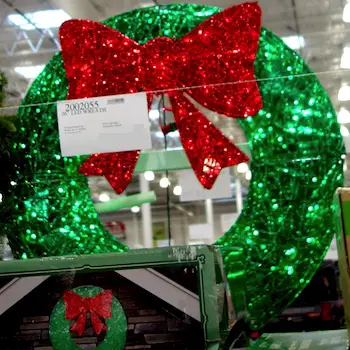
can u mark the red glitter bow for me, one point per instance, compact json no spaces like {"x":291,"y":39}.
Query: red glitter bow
{"x":77,"y":307}
{"x":213,"y":65}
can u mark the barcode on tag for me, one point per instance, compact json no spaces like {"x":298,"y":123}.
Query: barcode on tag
{"x":115,"y":101}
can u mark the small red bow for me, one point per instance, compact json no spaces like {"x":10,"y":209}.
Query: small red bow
{"x":216,"y":59}
{"x":77,"y":308}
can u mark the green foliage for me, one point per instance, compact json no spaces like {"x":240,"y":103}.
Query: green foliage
{"x":3,"y":84}
{"x":7,"y":131}
{"x":7,"y":126}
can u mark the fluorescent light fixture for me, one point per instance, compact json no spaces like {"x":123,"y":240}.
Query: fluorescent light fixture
{"x":0,"y":197}
{"x":149,"y":175}
{"x":164,"y":182}
{"x":344,"y":92}
{"x":248,"y":175}
{"x":135,"y":209}
{"x":147,"y":4}
{"x":242,"y":168}
{"x":346,"y":13}
{"x":40,"y":19}
{"x":345,"y":58}
{"x":295,"y":42}
{"x":177,"y":190}
{"x":104,"y":197}
{"x":343,"y":116}
{"x":344,"y":131}
{"x":153,"y":114}
{"x":29,"y":72}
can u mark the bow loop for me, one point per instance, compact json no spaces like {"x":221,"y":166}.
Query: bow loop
{"x":98,"y":306}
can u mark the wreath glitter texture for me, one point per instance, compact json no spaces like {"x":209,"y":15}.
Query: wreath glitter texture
{"x":297,"y":155}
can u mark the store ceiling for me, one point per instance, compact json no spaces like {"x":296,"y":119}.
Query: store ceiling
{"x":319,"y":22}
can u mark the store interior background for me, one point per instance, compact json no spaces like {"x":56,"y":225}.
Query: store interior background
{"x":319,"y":30}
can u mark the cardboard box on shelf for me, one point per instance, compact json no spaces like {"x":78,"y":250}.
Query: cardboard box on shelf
{"x":160,"y":296}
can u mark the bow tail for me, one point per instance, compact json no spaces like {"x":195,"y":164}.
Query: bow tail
{"x":79,"y":325}
{"x":207,"y":148}
{"x":149,"y":100}
{"x":118,"y":168}
{"x":97,"y":324}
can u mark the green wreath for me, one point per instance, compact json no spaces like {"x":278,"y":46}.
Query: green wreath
{"x":60,"y":326}
{"x":297,"y":157}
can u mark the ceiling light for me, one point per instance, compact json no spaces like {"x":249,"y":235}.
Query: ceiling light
{"x":248,"y":175}
{"x":177,"y":190}
{"x":0,"y":197}
{"x":346,"y":13}
{"x":344,"y":92}
{"x":149,"y":175}
{"x":104,"y":197}
{"x":147,"y":4}
{"x":135,"y":209}
{"x":343,"y":116}
{"x":153,"y":114}
{"x":242,"y":168}
{"x":39,"y":19}
{"x":345,"y":58}
{"x":295,"y":42}
{"x":29,"y":72}
{"x":164,"y":182}
{"x":344,"y":131}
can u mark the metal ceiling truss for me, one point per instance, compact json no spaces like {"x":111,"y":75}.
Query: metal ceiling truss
{"x":36,"y":46}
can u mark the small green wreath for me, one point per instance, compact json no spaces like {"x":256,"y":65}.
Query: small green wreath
{"x":97,"y":302}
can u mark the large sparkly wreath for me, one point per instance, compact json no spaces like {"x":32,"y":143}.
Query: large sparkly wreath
{"x":71,"y":311}
{"x":286,"y":224}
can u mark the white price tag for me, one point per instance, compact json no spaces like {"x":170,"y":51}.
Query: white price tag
{"x":192,"y":189}
{"x":104,"y":124}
